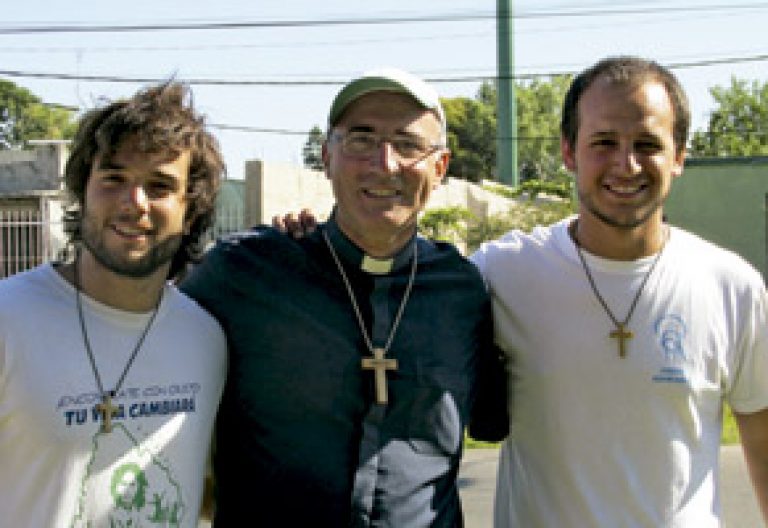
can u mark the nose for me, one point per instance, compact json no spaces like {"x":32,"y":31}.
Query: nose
{"x":387,"y":158}
{"x":628,"y":162}
{"x":135,"y":198}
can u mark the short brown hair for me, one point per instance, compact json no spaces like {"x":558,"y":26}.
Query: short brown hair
{"x":626,"y":70}
{"x":161,"y":118}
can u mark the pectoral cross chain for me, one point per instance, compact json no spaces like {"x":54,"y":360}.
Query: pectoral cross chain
{"x":622,"y":334}
{"x":380,"y":365}
{"x":107,"y":411}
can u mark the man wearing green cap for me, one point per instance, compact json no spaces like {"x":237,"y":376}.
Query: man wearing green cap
{"x":358,"y":354}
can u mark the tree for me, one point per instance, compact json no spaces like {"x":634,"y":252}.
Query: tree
{"x":471,"y":138}
{"x":739,"y":124}
{"x":312,"y":152}
{"x":472,"y":131}
{"x":539,"y":109}
{"x":23,"y":116}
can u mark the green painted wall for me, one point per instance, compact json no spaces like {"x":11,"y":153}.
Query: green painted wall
{"x":724,"y":201}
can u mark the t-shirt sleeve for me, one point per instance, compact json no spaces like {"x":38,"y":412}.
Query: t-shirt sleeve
{"x":749,"y":388}
{"x":478,"y":259}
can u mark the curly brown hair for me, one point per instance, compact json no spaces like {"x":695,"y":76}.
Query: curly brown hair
{"x":631,"y":71}
{"x":160,"y":118}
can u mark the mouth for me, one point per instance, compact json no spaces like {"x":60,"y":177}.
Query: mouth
{"x":625,"y":189}
{"x":131,"y":232}
{"x":382,"y":193}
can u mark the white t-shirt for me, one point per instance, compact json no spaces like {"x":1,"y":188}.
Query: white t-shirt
{"x":58,"y":468}
{"x":602,"y":441}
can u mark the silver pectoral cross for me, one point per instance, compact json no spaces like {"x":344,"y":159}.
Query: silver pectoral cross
{"x":380,"y":365}
{"x":107,"y":411}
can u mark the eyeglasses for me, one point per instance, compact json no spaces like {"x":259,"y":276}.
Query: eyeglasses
{"x":367,"y":144}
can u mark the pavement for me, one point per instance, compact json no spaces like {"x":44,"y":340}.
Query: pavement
{"x":477,"y":479}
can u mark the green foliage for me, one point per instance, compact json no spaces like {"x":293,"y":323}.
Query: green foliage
{"x":471,"y":138}
{"x":539,"y":108}
{"x":472,"y":131}
{"x":23,"y":117}
{"x":471,"y":443}
{"x":457,"y":224}
{"x":312,"y":151}
{"x":562,"y":188}
{"x":523,"y":216}
{"x":730,"y":429}
{"x":739,"y":124}
{"x":445,"y":223}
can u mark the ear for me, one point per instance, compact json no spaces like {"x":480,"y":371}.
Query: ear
{"x":567,"y":152}
{"x":679,"y":164}
{"x":326,"y":157}
{"x":441,"y":166}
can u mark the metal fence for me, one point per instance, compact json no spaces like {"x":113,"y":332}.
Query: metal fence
{"x":26,"y":240}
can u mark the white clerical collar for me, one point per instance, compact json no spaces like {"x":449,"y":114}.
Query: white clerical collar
{"x":376,"y":266}
{"x":356,"y":257}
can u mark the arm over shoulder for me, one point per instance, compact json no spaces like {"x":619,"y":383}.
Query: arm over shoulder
{"x":489,"y":417}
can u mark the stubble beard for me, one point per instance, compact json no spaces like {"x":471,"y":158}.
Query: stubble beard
{"x":629,"y":222}
{"x":157,"y":256}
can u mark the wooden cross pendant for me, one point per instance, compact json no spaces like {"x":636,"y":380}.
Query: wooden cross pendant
{"x":107,"y":411}
{"x":622,"y":334}
{"x":380,"y":365}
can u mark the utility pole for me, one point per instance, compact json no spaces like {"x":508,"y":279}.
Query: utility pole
{"x":506,"y":108}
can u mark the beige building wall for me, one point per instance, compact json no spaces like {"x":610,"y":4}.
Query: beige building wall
{"x":274,"y":189}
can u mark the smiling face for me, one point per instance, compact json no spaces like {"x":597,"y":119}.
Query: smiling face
{"x":378,"y":197}
{"x":625,"y":155}
{"x":134,"y":210}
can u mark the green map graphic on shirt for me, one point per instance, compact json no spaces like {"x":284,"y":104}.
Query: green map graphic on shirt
{"x":126,"y":486}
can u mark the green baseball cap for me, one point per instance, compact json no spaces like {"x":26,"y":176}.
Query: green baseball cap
{"x":387,"y":80}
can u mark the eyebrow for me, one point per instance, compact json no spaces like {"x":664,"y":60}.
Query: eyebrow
{"x":368,"y":128}
{"x":108,"y":164}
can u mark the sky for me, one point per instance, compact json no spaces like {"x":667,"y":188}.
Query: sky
{"x":270,"y":74}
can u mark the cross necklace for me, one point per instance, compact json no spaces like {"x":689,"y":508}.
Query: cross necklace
{"x":379,"y":363}
{"x":620,"y":332}
{"x":106,"y":407}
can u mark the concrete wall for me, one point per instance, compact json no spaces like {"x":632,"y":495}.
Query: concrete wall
{"x":274,"y":189}
{"x":33,"y":170}
{"x":725,"y":201}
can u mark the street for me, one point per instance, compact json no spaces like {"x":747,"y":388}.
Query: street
{"x":477,"y":480}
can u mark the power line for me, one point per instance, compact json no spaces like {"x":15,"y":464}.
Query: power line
{"x":226,"y":47}
{"x":239,"y":128}
{"x":278,"y":24}
{"x":333,"y":82}
{"x":273,"y":24}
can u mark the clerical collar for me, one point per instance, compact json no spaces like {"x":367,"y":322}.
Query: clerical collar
{"x":356,"y":257}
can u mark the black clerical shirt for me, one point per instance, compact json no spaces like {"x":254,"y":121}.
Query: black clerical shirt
{"x":300,"y":439}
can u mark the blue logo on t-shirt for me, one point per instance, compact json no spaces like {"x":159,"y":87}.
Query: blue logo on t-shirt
{"x":671,"y":332}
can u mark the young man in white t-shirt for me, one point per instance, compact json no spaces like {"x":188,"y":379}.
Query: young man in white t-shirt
{"x":109,"y":376}
{"x":624,"y":334}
